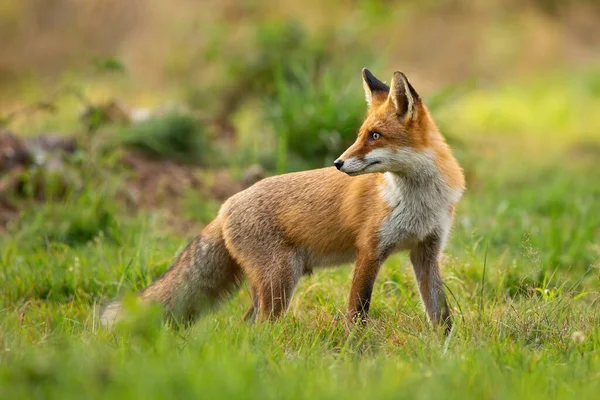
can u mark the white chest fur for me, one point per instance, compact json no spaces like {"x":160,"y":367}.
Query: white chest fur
{"x":420,"y":205}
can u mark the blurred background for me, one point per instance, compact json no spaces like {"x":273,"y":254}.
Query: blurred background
{"x":258,"y":70}
{"x":124,"y":124}
{"x":174,"y":106}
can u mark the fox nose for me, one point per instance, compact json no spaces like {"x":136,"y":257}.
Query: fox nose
{"x":338,"y":163}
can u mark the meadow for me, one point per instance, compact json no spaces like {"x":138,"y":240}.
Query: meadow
{"x":521,"y":267}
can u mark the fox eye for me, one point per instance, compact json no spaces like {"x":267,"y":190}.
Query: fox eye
{"x":374,"y":135}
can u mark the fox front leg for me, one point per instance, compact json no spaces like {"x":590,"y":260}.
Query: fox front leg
{"x":425,"y":258}
{"x":365,"y":273}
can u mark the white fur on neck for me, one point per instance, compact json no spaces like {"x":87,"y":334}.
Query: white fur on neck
{"x":420,"y":201}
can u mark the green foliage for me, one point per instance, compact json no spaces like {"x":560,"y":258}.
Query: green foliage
{"x":310,"y":99}
{"x":74,"y":221}
{"x":200,"y":208}
{"x":109,"y":65}
{"x":315,"y":116}
{"x":250,"y":72}
{"x":554,"y":106}
{"x":176,"y":136}
{"x":277,"y":50}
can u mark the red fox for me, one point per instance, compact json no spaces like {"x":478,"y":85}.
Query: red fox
{"x":394,"y":189}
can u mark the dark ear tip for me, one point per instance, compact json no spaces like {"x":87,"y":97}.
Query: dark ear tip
{"x":374,"y":84}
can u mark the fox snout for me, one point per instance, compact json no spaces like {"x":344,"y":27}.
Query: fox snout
{"x":353,"y":165}
{"x":350,"y":162}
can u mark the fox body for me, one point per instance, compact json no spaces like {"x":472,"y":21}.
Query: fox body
{"x":394,"y":189}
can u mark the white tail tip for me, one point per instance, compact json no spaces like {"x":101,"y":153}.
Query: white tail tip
{"x":111,"y":314}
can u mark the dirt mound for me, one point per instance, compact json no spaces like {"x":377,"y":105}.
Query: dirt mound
{"x":159,"y":183}
{"x":150,"y":182}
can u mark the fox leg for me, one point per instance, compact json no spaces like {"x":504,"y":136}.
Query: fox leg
{"x":365,"y":273}
{"x":425,"y":258}
{"x":272,"y":266}
{"x":275,"y":285}
{"x":275,"y":296}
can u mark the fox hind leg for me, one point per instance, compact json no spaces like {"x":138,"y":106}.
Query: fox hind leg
{"x":272,"y":265}
{"x":275,"y":295}
{"x":274,"y":285}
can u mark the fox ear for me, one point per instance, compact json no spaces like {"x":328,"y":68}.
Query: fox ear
{"x":373,"y":86}
{"x":404,"y":97}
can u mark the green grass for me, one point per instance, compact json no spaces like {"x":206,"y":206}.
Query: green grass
{"x":175,"y":136}
{"x":521,"y":266}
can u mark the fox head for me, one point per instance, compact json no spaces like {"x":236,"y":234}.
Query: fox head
{"x":395,"y":132}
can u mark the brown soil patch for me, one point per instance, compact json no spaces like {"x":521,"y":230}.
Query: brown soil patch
{"x":162,"y":184}
{"x":151,"y":183}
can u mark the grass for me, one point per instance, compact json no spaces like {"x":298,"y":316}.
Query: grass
{"x":175,"y":136}
{"x":521,"y":267}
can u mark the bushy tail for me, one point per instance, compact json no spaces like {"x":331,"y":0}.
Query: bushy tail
{"x":203,"y":274}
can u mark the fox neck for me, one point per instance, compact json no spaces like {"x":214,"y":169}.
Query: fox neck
{"x":426,"y":186}
{"x":431,"y":168}
{"x":420,"y":206}
{"x":421,"y":197}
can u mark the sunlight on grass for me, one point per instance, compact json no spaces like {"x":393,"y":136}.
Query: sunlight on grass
{"x":545,"y":112}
